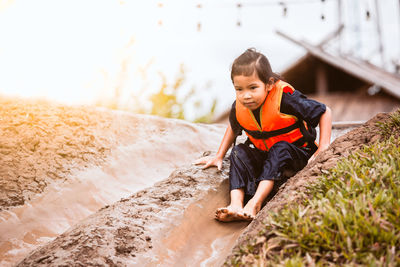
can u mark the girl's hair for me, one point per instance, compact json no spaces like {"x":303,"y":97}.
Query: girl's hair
{"x":251,"y":61}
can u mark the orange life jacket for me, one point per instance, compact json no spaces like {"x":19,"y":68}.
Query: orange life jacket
{"x":275,"y":126}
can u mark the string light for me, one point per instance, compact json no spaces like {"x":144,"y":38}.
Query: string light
{"x":199,"y":7}
{"x":239,"y":7}
{"x":367,"y":12}
{"x":323,"y":10}
{"x":160,"y":22}
{"x":284,"y":8}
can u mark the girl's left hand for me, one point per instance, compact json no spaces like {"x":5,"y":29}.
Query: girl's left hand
{"x":209,"y":162}
{"x":319,"y":150}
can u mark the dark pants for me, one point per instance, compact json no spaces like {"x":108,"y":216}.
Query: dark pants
{"x":250,"y":165}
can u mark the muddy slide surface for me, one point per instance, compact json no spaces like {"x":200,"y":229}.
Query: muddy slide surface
{"x":59,"y":164}
{"x":169,"y":224}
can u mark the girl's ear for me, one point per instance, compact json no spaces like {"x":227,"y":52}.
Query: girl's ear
{"x":270,"y":84}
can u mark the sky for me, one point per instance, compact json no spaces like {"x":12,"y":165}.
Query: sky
{"x":78,"y":52}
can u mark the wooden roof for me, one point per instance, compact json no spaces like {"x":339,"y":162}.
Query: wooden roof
{"x":369,"y":73}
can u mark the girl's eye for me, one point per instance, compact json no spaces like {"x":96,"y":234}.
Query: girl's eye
{"x":253,"y":87}
{"x":238,"y":89}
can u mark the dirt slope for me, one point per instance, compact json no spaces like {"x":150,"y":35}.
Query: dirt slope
{"x":41,"y":142}
{"x":59,"y":164}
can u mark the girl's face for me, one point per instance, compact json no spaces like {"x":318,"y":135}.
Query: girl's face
{"x":251,"y":91}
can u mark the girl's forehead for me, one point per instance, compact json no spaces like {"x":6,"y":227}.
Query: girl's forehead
{"x":246,"y":79}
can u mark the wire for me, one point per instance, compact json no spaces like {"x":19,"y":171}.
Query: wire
{"x":281,"y":3}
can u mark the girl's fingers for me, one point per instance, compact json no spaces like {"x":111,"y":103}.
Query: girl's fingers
{"x":201,"y":161}
{"x":208,"y":164}
{"x":219,"y":166}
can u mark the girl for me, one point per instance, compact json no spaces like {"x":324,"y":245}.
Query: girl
{"x":280,"y":124}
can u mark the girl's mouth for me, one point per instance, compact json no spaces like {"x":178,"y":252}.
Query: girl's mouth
{"x":249,"y":103}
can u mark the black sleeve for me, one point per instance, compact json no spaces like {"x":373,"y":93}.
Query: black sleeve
{"x":303,"y":108}
{"x":237,"y":129}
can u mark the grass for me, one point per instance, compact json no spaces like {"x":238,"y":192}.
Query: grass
{"x":351,"y":219}
{"x":392,"y":127}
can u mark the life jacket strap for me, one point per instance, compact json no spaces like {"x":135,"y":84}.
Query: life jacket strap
{"x":269,"y":134}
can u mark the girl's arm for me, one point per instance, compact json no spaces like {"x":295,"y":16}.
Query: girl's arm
{"x":226,"y":143}
{"x":325,"y":128}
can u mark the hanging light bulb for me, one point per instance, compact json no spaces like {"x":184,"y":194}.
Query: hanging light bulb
{"x":238,"y":22}
{"x":367,"y":14}
{"x":199,"y":6}
{"x":323,"y":10}
{"x":367,"y":11}
{"x":160,"y":22}
{"x":284,"y":8}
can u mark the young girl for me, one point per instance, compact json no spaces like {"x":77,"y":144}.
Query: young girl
{"x":280,"y":124}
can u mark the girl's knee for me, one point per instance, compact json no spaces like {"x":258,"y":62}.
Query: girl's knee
{"x":238,"y":151}
{"x":239,"y":157}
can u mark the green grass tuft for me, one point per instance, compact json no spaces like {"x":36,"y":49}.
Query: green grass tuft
{"x":393,"y":126}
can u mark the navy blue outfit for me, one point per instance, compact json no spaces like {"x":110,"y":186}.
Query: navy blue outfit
{"x":250,"y":165}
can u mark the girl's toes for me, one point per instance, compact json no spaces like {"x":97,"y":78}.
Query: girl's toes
{"x":248,"y":217}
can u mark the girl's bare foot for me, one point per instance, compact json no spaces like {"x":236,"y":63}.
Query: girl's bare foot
{"x":228,"y":214}
{"x":251,"y":209}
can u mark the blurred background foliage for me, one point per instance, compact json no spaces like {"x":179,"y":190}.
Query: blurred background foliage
{"x":172,"y":99}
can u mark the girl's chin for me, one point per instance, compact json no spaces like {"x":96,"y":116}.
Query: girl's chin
{"x":252,"y":106}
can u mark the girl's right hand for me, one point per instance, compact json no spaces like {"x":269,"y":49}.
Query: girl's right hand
{"x":209,"y":162}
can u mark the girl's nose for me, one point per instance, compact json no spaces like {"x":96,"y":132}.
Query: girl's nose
{"x":247,"y":95}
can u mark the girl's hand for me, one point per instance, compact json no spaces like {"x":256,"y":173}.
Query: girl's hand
{"x":319,"y":150}
{"x":325,"y":128}
{"x":209,"y":162}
